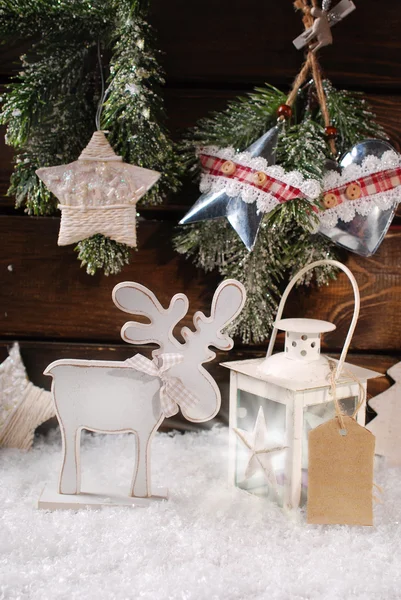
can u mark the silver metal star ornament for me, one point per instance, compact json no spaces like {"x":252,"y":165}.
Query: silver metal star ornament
{"x":243,"y":217}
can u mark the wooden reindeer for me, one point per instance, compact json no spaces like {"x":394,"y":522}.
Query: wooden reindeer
{"x":324,"y":19}
{"x":114,"y":397}
{"x":320,"y":30}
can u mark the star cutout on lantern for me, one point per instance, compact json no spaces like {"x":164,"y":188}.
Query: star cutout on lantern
{"x":98,"y":193}
{"x":260,"y":459}
{"x":244,"y":217}
{"x":23,"y":406}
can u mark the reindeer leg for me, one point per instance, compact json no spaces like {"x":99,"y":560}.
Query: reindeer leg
{"x":141,"y":486}
{"x":308,"y":37}
{"x":70,"y":470}
{"x":317,"y":46}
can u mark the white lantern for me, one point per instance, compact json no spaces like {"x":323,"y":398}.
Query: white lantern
{"x":275,"y":401}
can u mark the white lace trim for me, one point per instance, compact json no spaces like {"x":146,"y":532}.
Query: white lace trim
{"x":364,"y":206}
{"x":309,"y":187}
{"x":371,"y":164}
{"x":266,"y":202}
{"x":249,"y":194}
{"x":346,"y":211}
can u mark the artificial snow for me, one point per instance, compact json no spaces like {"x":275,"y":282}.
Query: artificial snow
{"x":208,"y":542}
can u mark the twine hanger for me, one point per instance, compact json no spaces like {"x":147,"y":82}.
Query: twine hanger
{"x":103,"y":92}
{"x":98,"y":147}
{"x":361,"y":393}
{"x":311,"y":64}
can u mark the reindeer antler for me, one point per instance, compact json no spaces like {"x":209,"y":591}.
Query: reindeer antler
{"x":136,"y":299}
{"x":228,"y":301}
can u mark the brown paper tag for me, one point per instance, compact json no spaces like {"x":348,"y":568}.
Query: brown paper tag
{"x":340,"y":474}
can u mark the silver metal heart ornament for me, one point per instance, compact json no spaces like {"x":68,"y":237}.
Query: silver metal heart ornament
{"x":360,"y":197}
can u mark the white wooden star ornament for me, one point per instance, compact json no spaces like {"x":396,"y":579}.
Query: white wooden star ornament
{"x":23,"y":405}
{"x":260,"y":459}
{"x":98,"y":193}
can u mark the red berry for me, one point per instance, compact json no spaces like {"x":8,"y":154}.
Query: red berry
{"x":284,"y":111}
{"x":331,"y":132}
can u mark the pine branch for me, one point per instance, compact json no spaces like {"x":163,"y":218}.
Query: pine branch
{"x":286,"y":241}
{"x":302,"y":147}
{"x":215,"y":244}
{"x":284,"y":245}
{"x":49,"y":112}
{"x":352,"y":116}
{"x":30,"y":18}
{"x":134,"y":110}
{"x":245,"y":119}
{"x":101,"y":253}
{"x":50,"y":108}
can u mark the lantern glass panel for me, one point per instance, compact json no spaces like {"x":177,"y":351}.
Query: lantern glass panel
{"x":248,"y":405}
{"x":315,"y":415}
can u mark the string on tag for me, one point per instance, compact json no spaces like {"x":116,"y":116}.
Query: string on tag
{"x":103,"y":91}
{"x":361,"y":393}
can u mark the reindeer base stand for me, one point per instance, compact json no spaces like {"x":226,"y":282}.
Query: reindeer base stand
{"x":94,"y":498}
{"x":136,"y":395}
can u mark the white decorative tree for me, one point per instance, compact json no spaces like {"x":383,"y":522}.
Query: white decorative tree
{"x":387,"y":425}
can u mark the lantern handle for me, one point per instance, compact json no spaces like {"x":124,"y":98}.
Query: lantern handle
{"x":357,"y":303}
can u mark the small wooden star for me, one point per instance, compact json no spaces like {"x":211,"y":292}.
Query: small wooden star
{"x":23,"y":406}
{"x":260,"y":453}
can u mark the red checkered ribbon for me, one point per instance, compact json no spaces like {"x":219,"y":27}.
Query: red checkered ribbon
{"x":173,"y":392}
{"x":382,"y":181}
{"x":279,"y":189}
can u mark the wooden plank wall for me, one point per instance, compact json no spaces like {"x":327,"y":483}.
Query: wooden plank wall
{"x":212,"y":52}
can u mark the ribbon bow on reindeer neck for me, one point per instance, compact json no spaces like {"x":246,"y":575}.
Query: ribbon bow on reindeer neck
{"x":173,"y":393}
